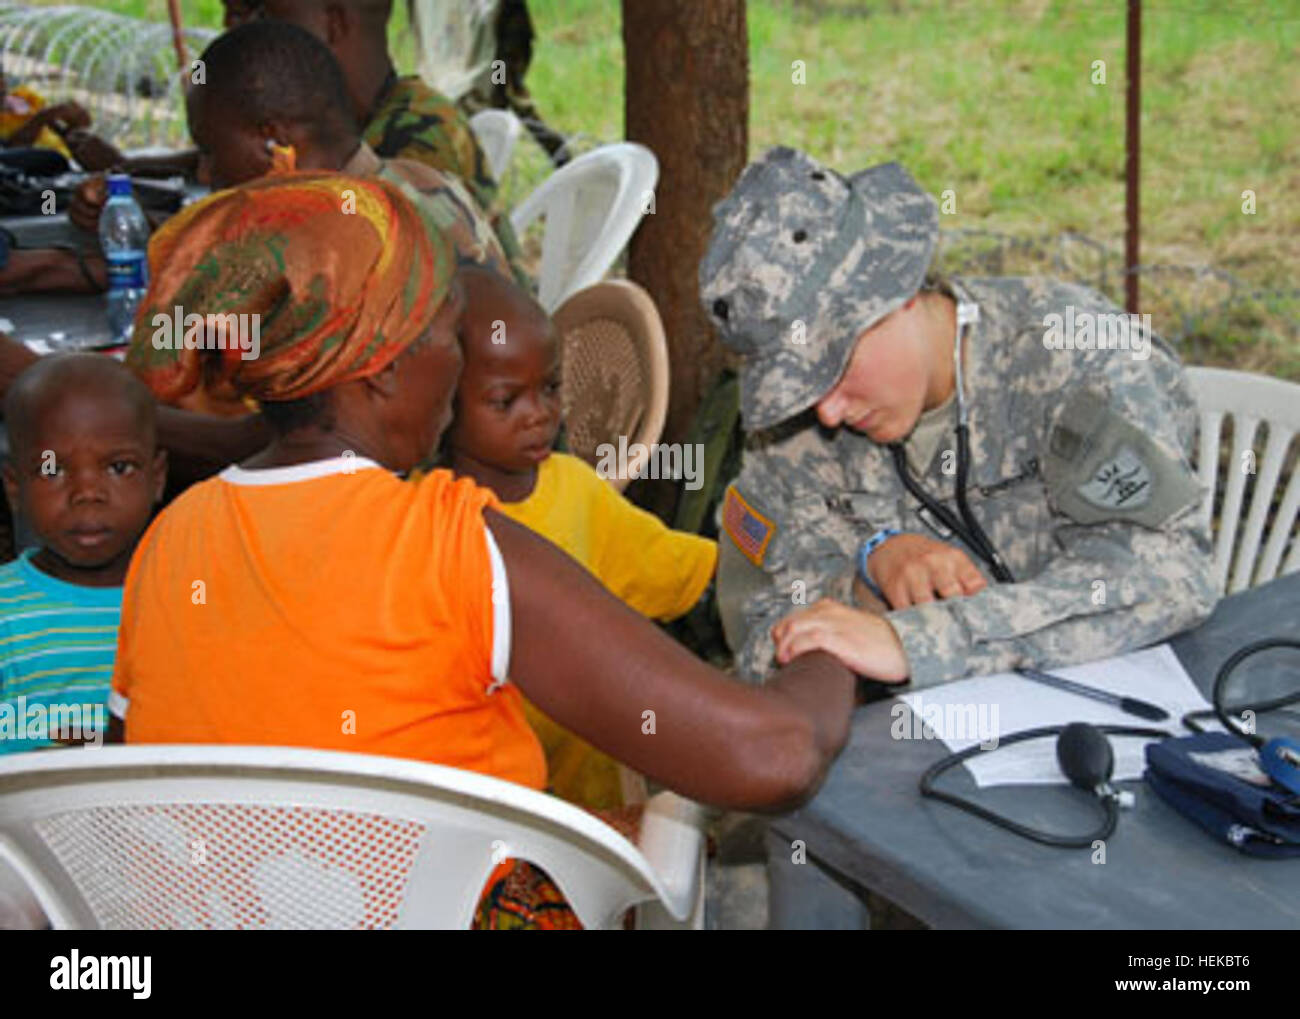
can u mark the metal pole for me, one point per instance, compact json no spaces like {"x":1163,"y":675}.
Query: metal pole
{"x":1133,"y":152}
{"x":178,"y":37}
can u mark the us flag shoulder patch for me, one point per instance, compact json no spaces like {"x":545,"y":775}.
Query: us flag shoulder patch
{"x":748,"y":529}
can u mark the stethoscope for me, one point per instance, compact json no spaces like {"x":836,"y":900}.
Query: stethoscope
{"x":1088,"y":761}
{"x":1083,"y":751}
{"x":965,"y":526}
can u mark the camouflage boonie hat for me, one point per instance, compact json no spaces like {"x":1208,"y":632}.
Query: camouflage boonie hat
{"x":802,"y":260}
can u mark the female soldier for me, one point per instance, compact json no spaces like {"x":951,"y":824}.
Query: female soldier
{"x":924,"y":441}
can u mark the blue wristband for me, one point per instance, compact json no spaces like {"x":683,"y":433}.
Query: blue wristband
{"x":869,"y":546}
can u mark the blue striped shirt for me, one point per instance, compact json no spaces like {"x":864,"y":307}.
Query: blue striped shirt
{"x":57,"y":644}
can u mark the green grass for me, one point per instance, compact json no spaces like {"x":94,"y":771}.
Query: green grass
{"x":995,"y":101}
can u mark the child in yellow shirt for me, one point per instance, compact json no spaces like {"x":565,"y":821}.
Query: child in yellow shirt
{"x":507,"y":416}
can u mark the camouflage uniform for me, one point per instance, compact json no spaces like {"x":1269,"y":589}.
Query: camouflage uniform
{"x":444,"y":199}
{"x":412,"y":121}
{"x":1079,"y":467}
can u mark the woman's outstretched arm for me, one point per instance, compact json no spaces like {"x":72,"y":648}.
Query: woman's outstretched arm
{"x":608,"y":674}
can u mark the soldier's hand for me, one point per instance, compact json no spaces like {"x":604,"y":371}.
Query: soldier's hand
{"x":864,"y":642}
{"x":911,"y":569}
{"x":864,"y":598}
{"x":88,"y":202}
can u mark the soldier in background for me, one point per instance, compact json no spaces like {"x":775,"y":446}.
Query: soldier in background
{"x":502,"y":86}
{"x":845,"y":531}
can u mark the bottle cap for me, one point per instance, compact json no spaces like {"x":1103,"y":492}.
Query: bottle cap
{"x":119,"y":184}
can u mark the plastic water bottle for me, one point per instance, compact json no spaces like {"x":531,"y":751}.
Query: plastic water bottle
{"x":124,"y":238}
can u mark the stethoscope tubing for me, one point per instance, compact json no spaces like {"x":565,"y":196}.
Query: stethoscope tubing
{"x":1109,"y":804}
{"x":967,"y":528}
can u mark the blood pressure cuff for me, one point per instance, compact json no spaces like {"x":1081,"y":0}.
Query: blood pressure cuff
{"x":1214,"y":779}
{"x":1098,"y":467}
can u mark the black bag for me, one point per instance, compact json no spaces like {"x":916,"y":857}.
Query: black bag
{"x":35,"y":162}
{"x":24,"y":195}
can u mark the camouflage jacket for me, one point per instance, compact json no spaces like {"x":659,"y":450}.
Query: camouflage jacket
{"x":444,"y":199}
{"x":1079,"y":474}
{"x":412,"y":121}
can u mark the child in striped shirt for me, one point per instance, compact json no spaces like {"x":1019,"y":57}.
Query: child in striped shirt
{"x":85,"y":472}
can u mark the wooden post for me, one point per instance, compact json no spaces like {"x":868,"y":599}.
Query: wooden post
{"x":687,"y":99}
{"x":178,"y":35}
{"x":1133,"y":154}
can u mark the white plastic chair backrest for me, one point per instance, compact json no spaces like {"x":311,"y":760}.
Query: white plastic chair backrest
{"x":186,"y":836}
{"x":496,"y":131}
{"x":455,"y":42}
{"x":592,"y":207}
{"x":1249,"y":401}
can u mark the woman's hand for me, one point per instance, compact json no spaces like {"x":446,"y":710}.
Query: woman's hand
{"x":88,"y":201}
{"x":864,"y":642}
{"x":911,"y":569}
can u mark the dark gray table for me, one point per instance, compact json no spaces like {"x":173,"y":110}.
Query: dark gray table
{"x":47,"y":231}
{"x":61,"y":320}
{"x":869,"y":827}
{"x":74,"y":320}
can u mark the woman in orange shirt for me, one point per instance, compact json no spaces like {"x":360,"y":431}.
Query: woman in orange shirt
{"x":309,"y":597}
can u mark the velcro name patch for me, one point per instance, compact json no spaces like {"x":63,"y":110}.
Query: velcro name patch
{"x":1099,"y":467}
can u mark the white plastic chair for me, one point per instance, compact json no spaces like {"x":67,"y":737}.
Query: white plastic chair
{"x":496,"y":131}
{"x":592,"y":207}
{"x":1248,"y":400}
{"x":455,"y":42}
{"x":189,"y":836}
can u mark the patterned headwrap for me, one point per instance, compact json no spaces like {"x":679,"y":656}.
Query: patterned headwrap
{"x":343,"y":273}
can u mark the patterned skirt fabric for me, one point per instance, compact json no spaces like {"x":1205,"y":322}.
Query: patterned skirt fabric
{"x":524,"y":898}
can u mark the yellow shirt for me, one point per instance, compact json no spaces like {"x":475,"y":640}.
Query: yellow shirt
{"x":20,"y":105}
{"x":658,"y":571}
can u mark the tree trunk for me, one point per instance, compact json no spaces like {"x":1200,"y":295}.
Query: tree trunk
{"x":687,"y":99}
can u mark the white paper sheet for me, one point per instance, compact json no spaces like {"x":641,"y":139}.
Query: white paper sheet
{"x":987,"y":708}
